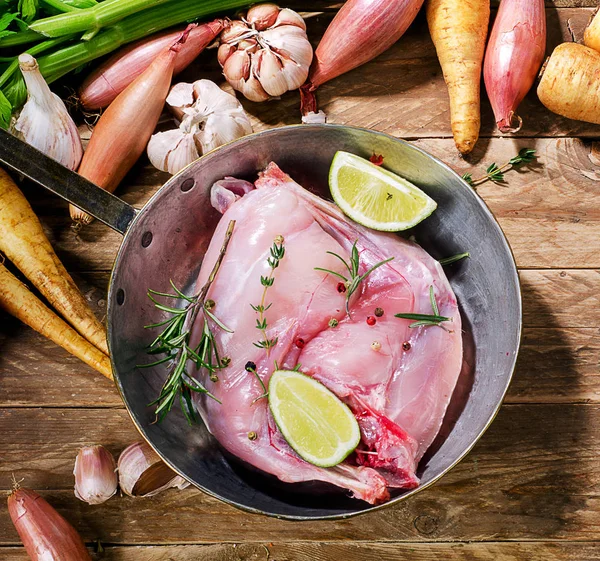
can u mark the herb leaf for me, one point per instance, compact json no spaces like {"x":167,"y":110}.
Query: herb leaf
{"x":424,"y":320}
{"x":353,"y":267}
{"x":496,"y":174}
{"x":454,"y":258}
{"x":174,"y":341}
{"x":276,"y":254}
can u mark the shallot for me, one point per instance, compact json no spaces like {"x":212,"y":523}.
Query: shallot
{"x":514,"y":55}
{"x":267,"y":53}
{"x":45,"y":534}
{"x":360,"y":31}
{"x":107,"y":81}
{"x":124,"y":129}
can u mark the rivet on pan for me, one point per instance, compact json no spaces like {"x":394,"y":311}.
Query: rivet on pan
{"x":120,"y":296}
{"x":146,"y":239}
{"x":187,"y":184}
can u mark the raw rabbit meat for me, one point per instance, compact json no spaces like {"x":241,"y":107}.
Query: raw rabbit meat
{"x":397,"y":380}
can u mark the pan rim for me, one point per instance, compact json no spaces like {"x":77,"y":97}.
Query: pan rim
{"x":372,"y":508}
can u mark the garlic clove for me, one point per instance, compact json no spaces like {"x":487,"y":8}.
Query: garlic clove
{"x":290,"y":42}
{"x":143,"y":474}
{"x":210,"y":98}
{"x":289,"y":17}
{"x":237,"y":67}
{"x":294,"y":74}
{"x":262,"y":16}
{"x":181,"y":95}
{"x":234,"y":31}
{"x":172,"y":150}
{"x":95,"y":475}
{"x":270,"y":74}
{"x":224,"y":52}
{"x":218,"y":131}
{"x":44,"y":121}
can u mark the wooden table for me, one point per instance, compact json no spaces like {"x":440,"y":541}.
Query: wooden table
{"x":530,"y":488}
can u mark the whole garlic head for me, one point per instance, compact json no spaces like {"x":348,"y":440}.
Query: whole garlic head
{"x":209,"y":117}
{"x":267,"y":53}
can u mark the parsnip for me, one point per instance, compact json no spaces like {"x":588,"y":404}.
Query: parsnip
{"x":570,"y":84}
{"x":591,"y":36}
{"x":20,"y":302}
{"x":459,"y":30}
{"x":24,"y":242}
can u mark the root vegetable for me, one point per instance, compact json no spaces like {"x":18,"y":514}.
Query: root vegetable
{"x":123,"y":131}
{"x":591,"y":36}
{"x":570,"y":84}
{"x":24,"y":242}
{"x":459,"y":30}
{"x":46,"y":535}
{"x":19,"y":301}
{"x":513,"y":58}
{"x":360,"y":31}
{"x":107,"y":81}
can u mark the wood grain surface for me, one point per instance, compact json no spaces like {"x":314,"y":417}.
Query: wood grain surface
{"x":530,"y":489}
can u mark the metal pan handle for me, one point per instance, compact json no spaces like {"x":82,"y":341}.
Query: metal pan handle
{"x":48,"y":173}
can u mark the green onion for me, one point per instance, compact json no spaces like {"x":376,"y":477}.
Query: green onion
{"x":81,"y":21}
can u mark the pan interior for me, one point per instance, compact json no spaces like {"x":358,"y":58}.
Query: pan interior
{"x":170,"y":236}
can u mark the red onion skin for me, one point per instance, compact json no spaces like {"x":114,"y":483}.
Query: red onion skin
{"x":103,"y":85}
{"x":514,"y":55}
{"x":360,"y":31}
{"x":46,"y":535}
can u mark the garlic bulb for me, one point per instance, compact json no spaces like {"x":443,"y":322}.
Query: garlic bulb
{"x":267,"y":53}
{"x":44,"y":121}
{"x":143,"y":474}
{"x":209,"y":118}
{"x":95,"y":475}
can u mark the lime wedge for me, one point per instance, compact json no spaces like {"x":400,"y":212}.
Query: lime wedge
{"x":375,"y":197}
{"x":316,"y":424}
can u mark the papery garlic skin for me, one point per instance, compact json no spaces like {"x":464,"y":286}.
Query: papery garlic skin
{"x":209,"y":118}
{"x":95,"y":475}
{"x":44,"y":121}
{"x":267,"y":53}
{"x":143,"y":474}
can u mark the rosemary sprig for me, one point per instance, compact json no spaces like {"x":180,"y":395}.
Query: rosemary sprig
{"x":454,"y":258}
{"x":174,"y":343}
{"x":352,"y":283}
{"x":496,"y":174}
{"x":276,"y":254}
{"x":427,"y":319}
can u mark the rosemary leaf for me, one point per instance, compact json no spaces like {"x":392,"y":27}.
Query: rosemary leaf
{"x":454,"y":258}
{"x":174,"y":342}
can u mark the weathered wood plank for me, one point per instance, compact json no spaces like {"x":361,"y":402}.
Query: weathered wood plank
{"x":302,"y":551}
{"x":532,"y":476}
{"x":548,"y":211}
{"x":559,"y":359}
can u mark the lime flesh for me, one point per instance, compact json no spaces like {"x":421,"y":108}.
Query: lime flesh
{"x":315,"y":423}
{"x":375,"y":197}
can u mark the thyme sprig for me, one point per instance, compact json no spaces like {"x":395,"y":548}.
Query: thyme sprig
{"x":276,"y":254}
{"x":251,"y":367}
{"x":174,"y":343}
{"x":352,"y":282}
{"x":495,"y":173}
{"x":427,"y":319}
{"x":454,"y":258}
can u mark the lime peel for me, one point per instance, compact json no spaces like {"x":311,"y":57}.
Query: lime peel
{"x":319,"y":427}
{"x":375,"y":197}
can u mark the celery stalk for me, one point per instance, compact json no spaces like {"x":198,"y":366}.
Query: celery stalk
{"x":101,"y":15}
{"x":55,"y":65}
